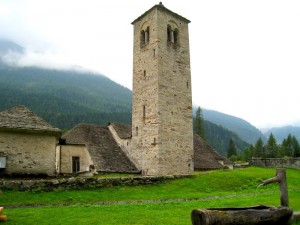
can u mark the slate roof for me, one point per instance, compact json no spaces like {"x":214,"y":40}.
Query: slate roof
{"x":124,"y":131}
{"x":205,"y":157}
{"x":105,"y":153}
{"x":19,"y":118}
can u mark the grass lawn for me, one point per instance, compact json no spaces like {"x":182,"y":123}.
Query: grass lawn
{"x":233,"y":188}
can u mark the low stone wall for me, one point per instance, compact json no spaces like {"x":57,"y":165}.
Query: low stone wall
{"x":276,"y":162}
{"x":75,"y":183}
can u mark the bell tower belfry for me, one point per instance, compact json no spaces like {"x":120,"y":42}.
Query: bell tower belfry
{"x":162,"y":129}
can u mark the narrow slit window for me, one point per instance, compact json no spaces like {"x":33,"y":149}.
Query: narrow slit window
{"x":142,"y":38}
{"x":144,"y":112}
{"x":136,"y":131}
{"x":147,"y":36}
{"x":144,"y":74}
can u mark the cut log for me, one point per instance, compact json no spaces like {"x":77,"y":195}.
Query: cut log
{"x":3,"y":218}
{"x":256,"y":215}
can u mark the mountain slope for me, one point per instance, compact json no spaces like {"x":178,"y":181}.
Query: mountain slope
{"x":281,"y":133}
{"x":65,"y":98}
{"x":219,"y":137}
{"x":239,"y":126}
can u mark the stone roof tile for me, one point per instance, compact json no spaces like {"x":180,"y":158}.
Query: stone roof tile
{"x":105,"y":153}
{"x":205,"y":157}
{"x":20,"y":118}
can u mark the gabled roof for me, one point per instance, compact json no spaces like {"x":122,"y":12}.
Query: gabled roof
{"x":104,"y":151}
{"x":160,"y":6}
{"x":205,"y":157}
{"x":123,"y":130}
{"x":20,"y":118}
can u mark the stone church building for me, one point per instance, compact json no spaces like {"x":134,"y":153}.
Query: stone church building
{"x":160,"y":140}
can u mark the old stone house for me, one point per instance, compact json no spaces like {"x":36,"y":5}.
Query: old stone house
{"x":89,"y":147}
{"x":106,"y":147}
{"x":27,"y":143}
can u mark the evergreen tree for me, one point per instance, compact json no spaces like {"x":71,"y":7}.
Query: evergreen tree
{"x":296,"y":147}
{"x":287,"y":146}
{"x":231,"y":149}
{"x":199,"y":123}
{"x":258,"y":150}
{"x":272,"y":147}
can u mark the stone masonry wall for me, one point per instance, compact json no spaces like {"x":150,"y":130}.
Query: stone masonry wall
{"x":276,"y":162}
{"x":28,"y":153}
{"x":76,"y":183}
{"x":65,"y":154}
{"x":162,"y":138}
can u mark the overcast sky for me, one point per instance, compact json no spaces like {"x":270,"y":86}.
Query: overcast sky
{"x":245,"y":55}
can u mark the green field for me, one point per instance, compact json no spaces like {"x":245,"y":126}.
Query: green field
{"x":167,"y":203}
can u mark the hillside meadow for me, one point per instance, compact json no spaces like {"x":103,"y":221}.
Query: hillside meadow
{"x":166,"y":203}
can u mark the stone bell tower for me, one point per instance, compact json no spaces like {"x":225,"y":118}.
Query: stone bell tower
{"x":162,"y":129}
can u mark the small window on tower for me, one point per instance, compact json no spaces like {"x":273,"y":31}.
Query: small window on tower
{"x":144,"y":112}
{"x":136,"y":131}
{"x":175,"y":33}
{"x":145,"y":37}
{"x":169,"y":33}
{"x":144,"y":74}
{"x":142,"y":38}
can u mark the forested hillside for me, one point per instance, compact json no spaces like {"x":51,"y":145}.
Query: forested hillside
{"x":65,"y":98}
{"x":219,"y":138}
{"x":244,"y":129}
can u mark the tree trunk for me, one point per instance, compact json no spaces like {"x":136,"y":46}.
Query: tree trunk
{"x":280,"y":177}
{"x":257,"y":215}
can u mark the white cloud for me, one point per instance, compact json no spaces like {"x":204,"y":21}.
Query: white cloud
{"x":244,"y":54}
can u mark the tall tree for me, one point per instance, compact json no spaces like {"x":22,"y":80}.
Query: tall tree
{"x":296,"y":147}
{"x":199,"y":123}
{"x":272,"y":147}
{"x":258,"y":150}
{"x":231,"y":149}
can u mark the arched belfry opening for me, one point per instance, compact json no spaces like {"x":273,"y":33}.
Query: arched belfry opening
{"x":145,"y":37}
{"x":172,"y":35}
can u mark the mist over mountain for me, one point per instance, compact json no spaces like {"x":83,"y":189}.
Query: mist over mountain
{"x":6,"y":46}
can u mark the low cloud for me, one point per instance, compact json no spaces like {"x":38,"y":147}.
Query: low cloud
{"x":45,"y":60}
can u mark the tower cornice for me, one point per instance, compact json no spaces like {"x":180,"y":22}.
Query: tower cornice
{"x":160,"y":6}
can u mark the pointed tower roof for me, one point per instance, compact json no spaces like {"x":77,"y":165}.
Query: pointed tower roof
{"x":20,"y":118}
{"x":160,"y":6}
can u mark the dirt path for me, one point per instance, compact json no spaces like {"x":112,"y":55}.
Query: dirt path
{"x":139,"y":201}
